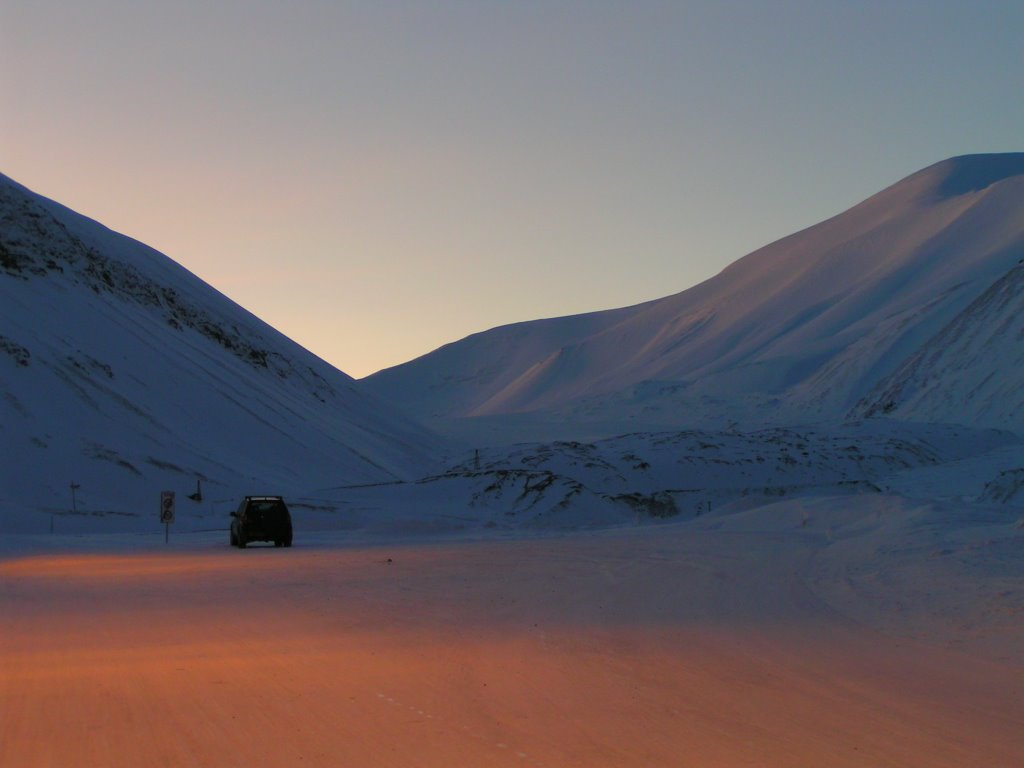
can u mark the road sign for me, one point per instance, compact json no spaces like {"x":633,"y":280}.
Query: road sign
{"x":167,"y":506}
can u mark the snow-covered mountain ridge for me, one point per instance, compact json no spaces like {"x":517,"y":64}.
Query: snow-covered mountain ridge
{"x":800,"y":330}
{"x":650,"y":477}
{"x":123,"y":373}
{"x":972,"y":370}
{"x":37,"y":244}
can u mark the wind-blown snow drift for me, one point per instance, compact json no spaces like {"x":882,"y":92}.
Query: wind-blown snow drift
{"x":801,"y":329}
{"x":126,"y":374}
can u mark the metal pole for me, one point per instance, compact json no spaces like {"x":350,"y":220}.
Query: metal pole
{"x":74,"y":505}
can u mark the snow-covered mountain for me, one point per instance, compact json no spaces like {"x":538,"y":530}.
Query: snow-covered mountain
{"x":800,"y":330}
{"x":125,"y":374}
{"x":972,"y":370}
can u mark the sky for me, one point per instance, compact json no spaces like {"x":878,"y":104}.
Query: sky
{"x":376,"y":179}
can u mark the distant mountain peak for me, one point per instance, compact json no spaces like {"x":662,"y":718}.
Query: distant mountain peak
{"x":801,"y":329}
{"x":972,"y":173}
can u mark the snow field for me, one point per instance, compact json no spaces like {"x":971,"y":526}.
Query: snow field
{"x":757,"y":637}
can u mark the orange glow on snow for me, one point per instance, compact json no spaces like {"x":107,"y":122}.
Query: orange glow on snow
{"x":337,"y":658}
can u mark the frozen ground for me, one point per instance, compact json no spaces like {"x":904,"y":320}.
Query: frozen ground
{"x":856,"y":630}
{"x":635,"y":478}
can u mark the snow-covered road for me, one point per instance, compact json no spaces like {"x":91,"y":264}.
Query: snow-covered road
{"x":667,"y":646}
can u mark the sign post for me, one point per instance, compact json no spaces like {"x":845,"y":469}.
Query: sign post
{"x":167,"y":512}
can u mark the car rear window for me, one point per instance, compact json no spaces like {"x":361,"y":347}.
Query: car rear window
{"x":266,"y":508}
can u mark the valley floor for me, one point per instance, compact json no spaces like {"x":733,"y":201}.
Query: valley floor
{"x":722,"y":643}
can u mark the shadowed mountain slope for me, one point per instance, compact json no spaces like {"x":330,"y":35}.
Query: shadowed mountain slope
{"x":126,"y":374}
{"x":972,"y":370}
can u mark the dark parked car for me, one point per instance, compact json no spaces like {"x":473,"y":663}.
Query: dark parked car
{"x":261,"y":518}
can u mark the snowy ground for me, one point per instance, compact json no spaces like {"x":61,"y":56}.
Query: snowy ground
{"x":566,"y":485}
{"x":858,"y":630}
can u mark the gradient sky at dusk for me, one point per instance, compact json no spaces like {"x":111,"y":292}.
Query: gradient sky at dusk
{"x":376,"y":179}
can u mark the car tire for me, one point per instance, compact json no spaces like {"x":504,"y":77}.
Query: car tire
{"x":241,"y":542}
